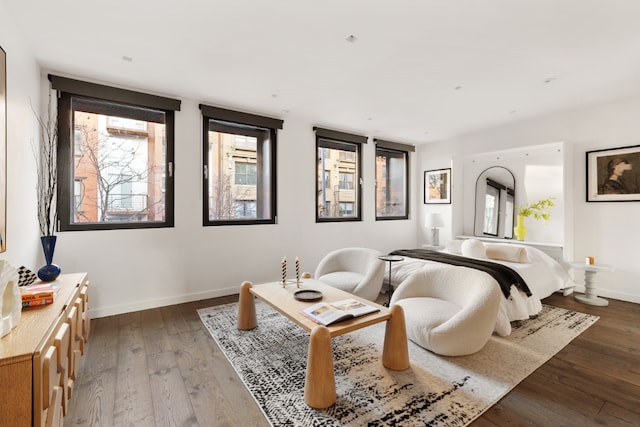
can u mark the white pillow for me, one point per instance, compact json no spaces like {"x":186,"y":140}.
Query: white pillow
{"x":473,"y":248}
{"x":455,"y":246}
{"x":506,"y":252}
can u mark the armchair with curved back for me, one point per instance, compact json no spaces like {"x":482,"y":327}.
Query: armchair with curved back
{"x":354,"y":270}
{"x":449,"y":310}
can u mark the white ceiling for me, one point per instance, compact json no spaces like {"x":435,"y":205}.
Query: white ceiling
{"x":418,"y":71}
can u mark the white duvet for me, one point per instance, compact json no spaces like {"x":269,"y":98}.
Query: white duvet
{"x":542,"y":274}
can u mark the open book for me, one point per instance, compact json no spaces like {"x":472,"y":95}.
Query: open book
{"x":326,"y":313}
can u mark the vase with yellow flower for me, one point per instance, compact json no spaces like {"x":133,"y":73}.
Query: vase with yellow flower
{"x":540,"y":209}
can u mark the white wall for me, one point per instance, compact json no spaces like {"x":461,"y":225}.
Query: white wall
{"x":538,"y":174}
{"x":23,"y":83}
{"x":606,"y":231}
{"x":136,"y":269}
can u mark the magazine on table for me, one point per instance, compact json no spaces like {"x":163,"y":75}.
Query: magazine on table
{"x":326,"y":313}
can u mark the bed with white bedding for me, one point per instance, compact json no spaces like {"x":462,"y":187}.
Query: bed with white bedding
{"x":541,"y":273}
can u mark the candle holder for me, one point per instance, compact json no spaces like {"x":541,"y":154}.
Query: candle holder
{"x":283,"y":281}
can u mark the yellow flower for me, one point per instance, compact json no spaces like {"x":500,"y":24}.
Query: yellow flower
{"x":539,"y":209}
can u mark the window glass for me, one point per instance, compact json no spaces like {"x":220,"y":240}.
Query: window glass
{"x":346,"y":180}
{"x":508,"y":217}
{"x":491,"y":208}
{"x":118,"y":167}
{"x":114,"y":158}
{"x":245,"y":173}
{"x":346,"y":209}
{"x":338,"y":174}
{"x":239,"y":178}
{"x":245,"y":208}
{"x":391,"y":184}
{"x":77,"y":194}
{"x":77,"y":141}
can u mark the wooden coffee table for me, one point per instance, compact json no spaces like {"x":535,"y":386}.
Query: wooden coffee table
{"x":320,"y":388}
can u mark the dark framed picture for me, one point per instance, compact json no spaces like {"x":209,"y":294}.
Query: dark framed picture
{"x":613,"y":175}
{"x":437,"y":186}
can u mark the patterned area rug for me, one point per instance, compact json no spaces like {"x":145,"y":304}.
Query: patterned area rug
{"x":434,"y":391}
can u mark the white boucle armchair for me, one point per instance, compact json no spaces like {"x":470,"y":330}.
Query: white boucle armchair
{"x":354,"y":270}
{"x":449,"y":310}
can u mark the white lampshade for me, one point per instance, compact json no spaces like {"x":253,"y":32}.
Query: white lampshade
{"x":434,"y":220}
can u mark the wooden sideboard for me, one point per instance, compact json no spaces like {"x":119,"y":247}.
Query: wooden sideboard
{"x":40,"y":358}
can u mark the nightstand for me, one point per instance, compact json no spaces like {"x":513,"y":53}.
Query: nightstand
{"x":390,"y":259}
{"x":590,"y":297}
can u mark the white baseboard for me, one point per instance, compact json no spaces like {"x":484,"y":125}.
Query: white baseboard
{"x":608,"y":293}
{"x":160,"y":302}
{"x":179,"y":299}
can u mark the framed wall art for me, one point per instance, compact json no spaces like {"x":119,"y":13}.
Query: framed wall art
{"x":3,"y":149}
{"x":613,"y":175}
{"x":437,"y":186}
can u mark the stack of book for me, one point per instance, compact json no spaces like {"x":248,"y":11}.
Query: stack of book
{"x":39,"y":294}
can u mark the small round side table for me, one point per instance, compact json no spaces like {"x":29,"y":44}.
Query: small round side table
{"x":390,"y":259}
{"x":590,"y":297}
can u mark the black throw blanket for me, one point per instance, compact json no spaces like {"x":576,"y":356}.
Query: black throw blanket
{"x":504,"y":275}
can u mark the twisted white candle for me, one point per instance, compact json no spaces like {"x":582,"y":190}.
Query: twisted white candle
{"x":284,"y":270}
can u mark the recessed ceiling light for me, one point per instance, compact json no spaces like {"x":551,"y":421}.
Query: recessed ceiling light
{"x":457,"y":88}
{"x":127,"y":58}
{"x":351,"y":38}
{"x":274,"y":95}
{"x":548,"y":80}
{"x":513,"y":111}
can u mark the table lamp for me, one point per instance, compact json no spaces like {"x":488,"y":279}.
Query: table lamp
{"x":434,"y":221}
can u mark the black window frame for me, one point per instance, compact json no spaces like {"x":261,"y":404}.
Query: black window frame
{"x":327,"y":138}
{"x":69,"y":89}
{"x":230,"y":121}
{"x":402,"y":150}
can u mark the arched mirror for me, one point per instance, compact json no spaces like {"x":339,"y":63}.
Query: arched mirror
{"x":495,"y":195}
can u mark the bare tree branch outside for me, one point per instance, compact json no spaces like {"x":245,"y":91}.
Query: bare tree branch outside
{"x":118,"y":169}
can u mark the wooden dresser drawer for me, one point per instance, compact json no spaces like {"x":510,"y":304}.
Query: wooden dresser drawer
{"x":41,"y":357}
{"x":62,"y":343}
{"x":52,"y":391}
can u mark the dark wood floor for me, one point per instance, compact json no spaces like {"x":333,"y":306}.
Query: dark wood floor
{"x":160,"y":367}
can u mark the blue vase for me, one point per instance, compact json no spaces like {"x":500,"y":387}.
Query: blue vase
{"x":50,"y":271}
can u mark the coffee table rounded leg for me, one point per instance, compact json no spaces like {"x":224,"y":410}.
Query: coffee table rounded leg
{"x":246,"y":308}
{"x":395,"y":353}
{"x":320,"y":384}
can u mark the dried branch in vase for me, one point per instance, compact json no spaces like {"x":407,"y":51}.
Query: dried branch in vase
{"x":46,"y":163}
